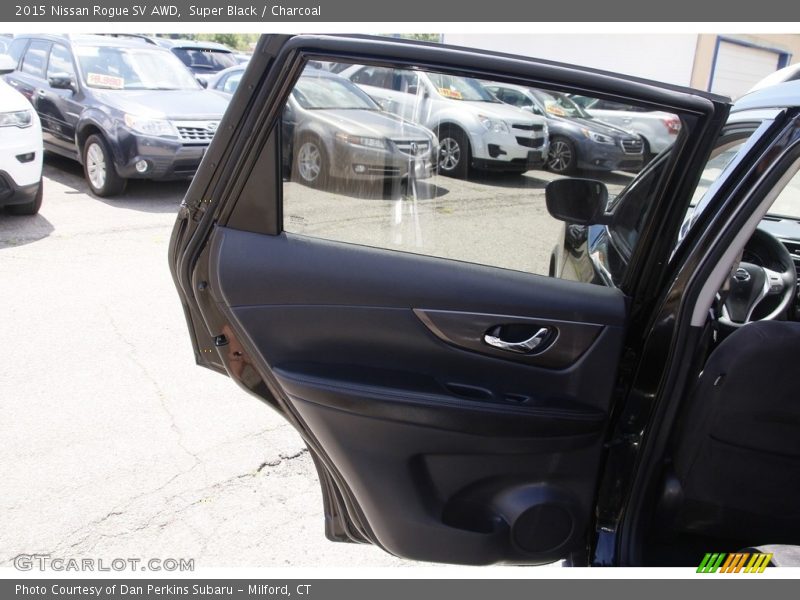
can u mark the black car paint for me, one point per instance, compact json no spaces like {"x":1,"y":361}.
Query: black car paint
{"x":205,"y":205}
{"x":70,"y":116}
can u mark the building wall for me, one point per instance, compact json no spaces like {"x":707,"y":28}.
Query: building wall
{"x":661,"y":57}
{"x":707,"y":43}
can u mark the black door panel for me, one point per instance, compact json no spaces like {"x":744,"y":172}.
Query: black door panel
{"x":429,"y":439}
{"x":442,"y":447}
{"x":304,"y":270}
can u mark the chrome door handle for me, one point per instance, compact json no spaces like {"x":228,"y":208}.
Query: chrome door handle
{"x":523,"y":347}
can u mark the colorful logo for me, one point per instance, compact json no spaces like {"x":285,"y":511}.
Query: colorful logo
{"x":738,"y":562}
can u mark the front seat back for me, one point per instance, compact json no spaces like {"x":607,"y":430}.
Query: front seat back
{"x":738,"y":448}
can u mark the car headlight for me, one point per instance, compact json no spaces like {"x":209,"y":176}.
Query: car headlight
{"x":18,"y":118}
{"x":358,"y":140}
{"x":147,"y":126}
{"x":598,"y":137}
{"x":493,"y":124}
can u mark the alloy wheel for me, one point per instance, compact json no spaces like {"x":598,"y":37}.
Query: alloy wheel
{"x":560,"y":157}
{"x":309,"y":162}
{"x":96,"y":166}
{"x":449,"y":154}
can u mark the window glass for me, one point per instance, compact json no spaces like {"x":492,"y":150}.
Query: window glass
{"x":36,"y":58}
{"x":199,"y":59}
{"x":787,"y":204}
{"x":455,"y":174}
{"x":17,"y":48}
{"x":232,"y":82}
{"x":133,"y":69}
{"x":374,"y":76}
{"x":60,"y":61}
{"x":736,"y":141}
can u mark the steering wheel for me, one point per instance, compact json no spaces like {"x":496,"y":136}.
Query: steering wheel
{"x":750,"y":283}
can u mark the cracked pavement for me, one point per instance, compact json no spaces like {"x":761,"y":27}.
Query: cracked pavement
{"x":112,"y":442}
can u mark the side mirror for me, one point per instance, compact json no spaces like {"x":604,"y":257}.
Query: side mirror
{"x":61,"y":81}
{"x":577,"y":201}
{"x":7,"y":64}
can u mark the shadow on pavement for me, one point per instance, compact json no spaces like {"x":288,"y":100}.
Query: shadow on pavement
{"x":140,"y":194}
{"x":20,"y":230}
{"x":528,"y":180}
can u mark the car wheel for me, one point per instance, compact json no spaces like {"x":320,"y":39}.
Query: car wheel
{"x":311,"y":163}
{"x":562,"y":157}
{"x":99,"y":170}
{"x":29,"y":208}
{"x":454,"y":153}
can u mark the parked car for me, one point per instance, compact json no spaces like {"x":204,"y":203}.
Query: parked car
{"x":21,"y":187}
{"x":577,"y":140}
{"x":327,"y":116}
{"x":204,"y":59}
{"x":466,"y":413}
{"x":658,"y":129}
{"x":790,"y":73}
{"x":121,"y":108}
{"x":474,"y":128}
{"x":227,"y":80}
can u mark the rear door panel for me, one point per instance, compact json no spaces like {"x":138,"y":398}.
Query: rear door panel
{"x":441,"y":446}
{"x":428,"y":442}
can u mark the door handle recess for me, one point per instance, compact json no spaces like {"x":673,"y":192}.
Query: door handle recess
{"x":492,"y":338}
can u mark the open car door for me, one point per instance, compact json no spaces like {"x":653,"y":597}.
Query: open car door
{"x":457,"y":407}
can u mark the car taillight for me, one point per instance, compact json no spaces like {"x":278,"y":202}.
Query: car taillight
{"x":673,"y":124}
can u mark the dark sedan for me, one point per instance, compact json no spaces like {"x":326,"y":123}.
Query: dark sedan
{"x":121,"y":108}
{"x":333,"y":130}
{"x":577,"y":141}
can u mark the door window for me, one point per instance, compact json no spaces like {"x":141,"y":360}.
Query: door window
{"x":60,"y":62}
{"x":35,"y":60}
{"x":462,"y":180}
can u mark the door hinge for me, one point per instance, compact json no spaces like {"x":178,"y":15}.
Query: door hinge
{"x":628,"y":439}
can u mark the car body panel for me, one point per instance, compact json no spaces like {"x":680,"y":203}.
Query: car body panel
{"x":427,"y":449}
{"x":658,"y":128}
{"x":21,"y":151}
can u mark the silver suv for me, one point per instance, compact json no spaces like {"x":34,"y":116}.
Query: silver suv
{"x":474,"y":128}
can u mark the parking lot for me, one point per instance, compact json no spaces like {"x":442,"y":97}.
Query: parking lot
{"x":114,"y":444}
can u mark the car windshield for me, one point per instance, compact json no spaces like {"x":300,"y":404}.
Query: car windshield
{"x":133,"y":69}
{"x":559,"y":105}
{"x":203,"y":59}
{"x":787,"y":204}
{"x":320,"y":93}
{"x":460,"y":88}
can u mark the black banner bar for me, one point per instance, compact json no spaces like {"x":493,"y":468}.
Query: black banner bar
{"x":730,"y":588}
{"x":359,"y":11}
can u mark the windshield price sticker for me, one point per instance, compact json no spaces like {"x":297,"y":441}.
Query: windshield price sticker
{"x":448,"y":93}
{"x":107,"y":81}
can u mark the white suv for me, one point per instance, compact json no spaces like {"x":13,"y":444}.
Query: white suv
{"x":20,"y":149}
{"x":474,"y":128}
